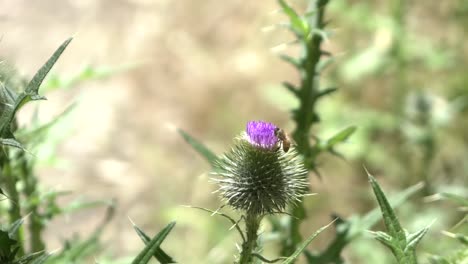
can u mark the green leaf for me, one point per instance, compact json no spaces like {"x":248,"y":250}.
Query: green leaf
{"x":371,"y":218}
{"x":37,"y":134}
{"x":298,"y":24}
{"x":11,"y":142}
{"x":293,"y":61}
{"x":199,"y":147}
{"x":460,"y":237}
{"x":30,"y":94}
{"x":7,"y":96}
{"x":401,"y":243}
{"x":31,"y":258}
{"x":347,"y":230}
{"x":327,"y":91}
{"x":412,"y":240}
{"x":159,"y":254}
{"x":340,"y":137}
{"x":33,"y":86}
{"x":6,"y":245}
{"x":153,"y":245}
{"x":14,"y":227}
{"x":292,"y":88}
{"x":439,"y":260}
{"x":462,"y":200}
{"x":41,"y":259}
{"x":391,"y":221}
{"x":324,"y":63}
{"x":304,"y":244}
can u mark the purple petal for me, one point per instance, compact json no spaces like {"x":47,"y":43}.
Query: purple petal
{"x":262,"y":134}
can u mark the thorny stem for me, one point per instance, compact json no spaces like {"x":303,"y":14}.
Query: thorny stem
{"x":309,"y":89}
{"x":306,"y":116}
{"x":9,"y":181}
{"x":252,"y":223}
{"x":36,"y":226}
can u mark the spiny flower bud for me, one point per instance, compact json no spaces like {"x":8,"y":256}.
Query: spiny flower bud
{"x":257,"y":176}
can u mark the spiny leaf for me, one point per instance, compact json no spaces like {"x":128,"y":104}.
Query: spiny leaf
{"x":35,"y":83}
{"x":401,"y":243}
{"x":11,"y":142}
{"x":30,"y":258}
{"x":391,"y":221}
{"x":293,"y":89}
{"x":38,"y":133}
{"x":439,"y":260}
{"x":6,"y":244}
{"x":305,"y":243}
{"x":30,"y":94}
{"x":159,"y":254}
{"x":383,"y":237}
{"x":298,"y":25}
{"x":324,"y":63}
{"x":412,"y":240}
{"x":463,"y":200}
{"x":7,"y":96}
{"x":150,"y":249}
{"x":371,"y":218}
{"x":340,"y":137}
{"x":14,"y":227}
{"x":41,"y":259}
{"x":327,"y":91}
{"x":460,"y":237}
{"x":198,"y":147}
{"x":351,"y":228}
{"x":293,"y":61}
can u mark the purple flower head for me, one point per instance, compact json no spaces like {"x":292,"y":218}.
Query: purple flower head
{"x":261,"y":134}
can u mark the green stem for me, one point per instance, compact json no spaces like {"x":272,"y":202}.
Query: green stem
{"x":36,"y":226}
{"x":428,"y":147}
{"x":308,"y":92}
{"x":399,"y":16}
{"x":252,"y":223}
{"x":408,"y":257}
{"x":9,"y":180}
{"x":306,"y":116}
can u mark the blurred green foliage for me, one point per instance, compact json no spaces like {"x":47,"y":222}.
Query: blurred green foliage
{"x":399,"y":97}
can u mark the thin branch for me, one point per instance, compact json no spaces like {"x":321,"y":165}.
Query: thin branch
{"x":234,"y":222}
{"x":262,"y":258}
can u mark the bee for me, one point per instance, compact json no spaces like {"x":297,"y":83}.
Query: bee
{"x":283,"y":138}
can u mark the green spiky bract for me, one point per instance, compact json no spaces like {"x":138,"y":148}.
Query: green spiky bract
{"x":257,"y":181}
{"x":260,"y":180}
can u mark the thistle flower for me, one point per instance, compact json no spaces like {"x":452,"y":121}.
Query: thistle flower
{"x":257,"y":176}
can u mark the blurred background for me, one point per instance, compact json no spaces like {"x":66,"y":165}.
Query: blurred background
{"x":146,"y":67}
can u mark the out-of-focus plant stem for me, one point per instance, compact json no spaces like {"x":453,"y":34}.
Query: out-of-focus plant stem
{"x":399,"y":16}
{"x":30,"y":192}
{"x":306,"y":116}
{"x":9,"y":180}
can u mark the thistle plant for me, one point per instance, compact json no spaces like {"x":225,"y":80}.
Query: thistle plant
{"x":260,"y":176}
{"x":29,"y":207}
{"x":257,"y":177}
{"x":398,"y":240}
